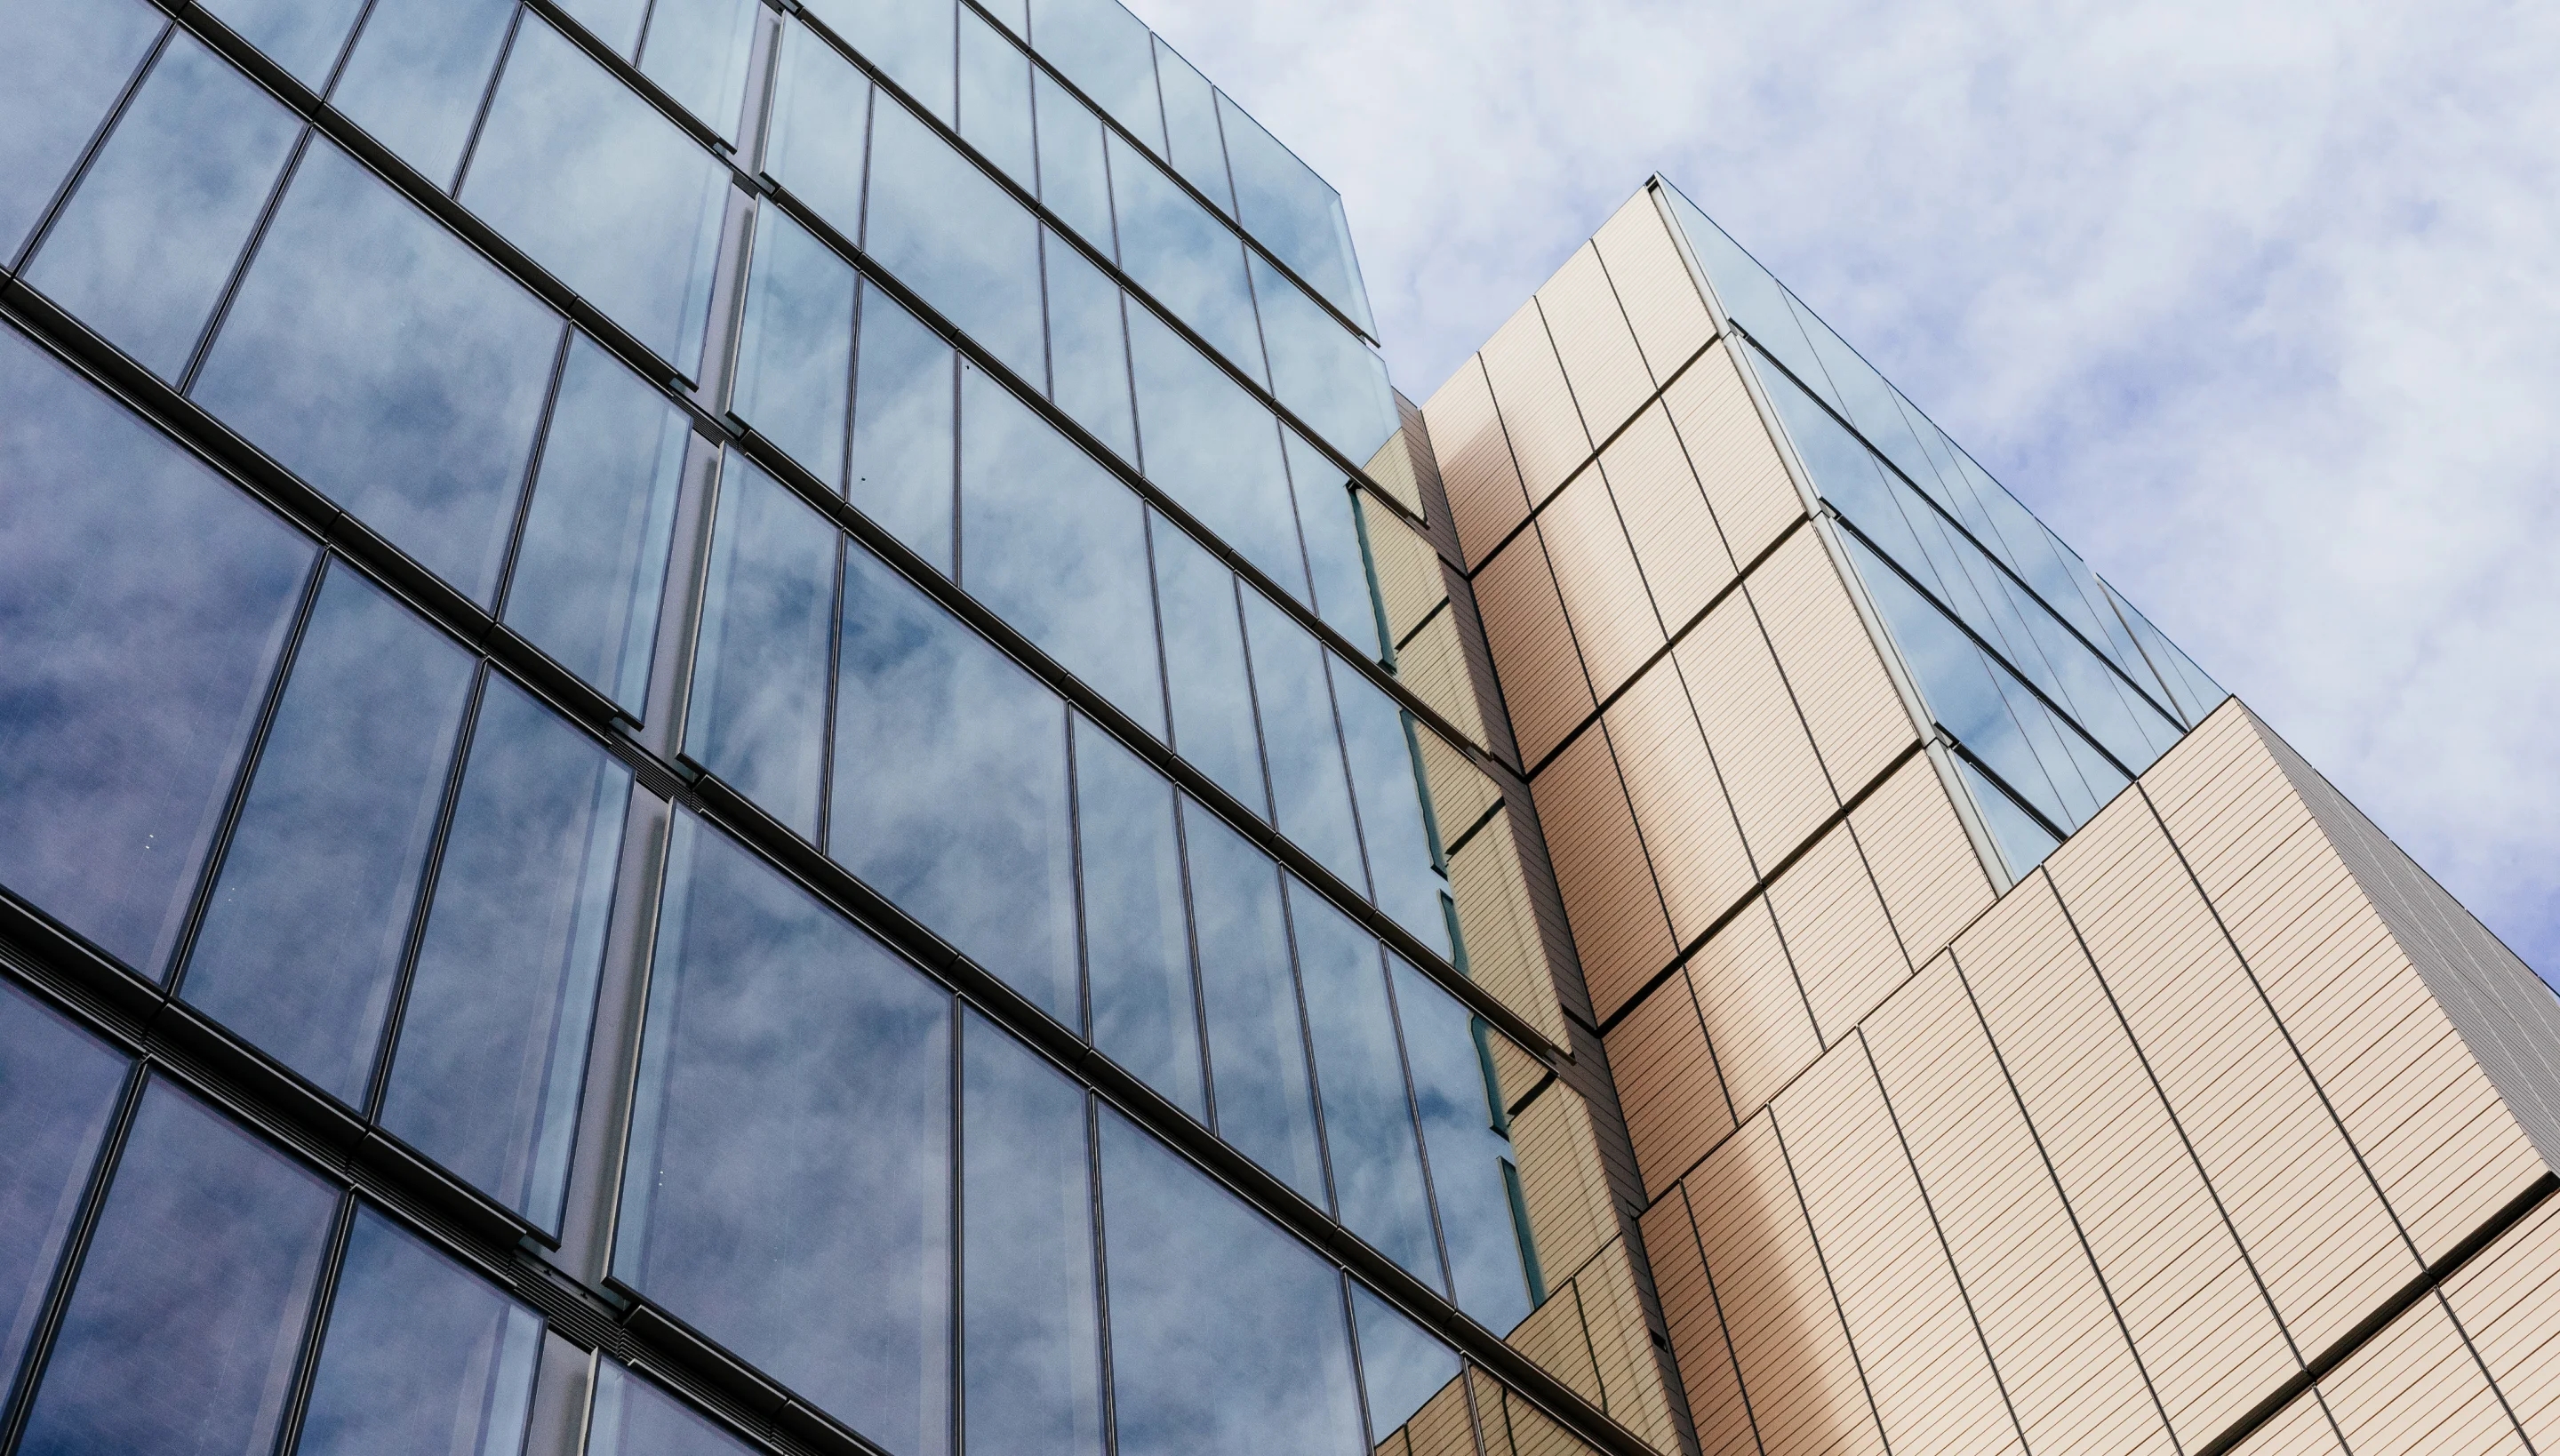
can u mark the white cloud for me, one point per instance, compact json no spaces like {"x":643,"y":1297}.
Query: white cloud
{"x":2258,"y":305}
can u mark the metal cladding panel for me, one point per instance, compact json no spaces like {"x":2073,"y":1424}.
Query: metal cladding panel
{"x":1514,"y":1427}
{"x":1698,"y":1345}
{"x":2208,"y":1339}
{"x":1619,"y":930}
{"x":1593,"y":339}
{"x":1433,"y":663}
{"x":1547,"y":433}
{"x":1409,"y":582}
{"x":1924,"y":863}
{"x":1397,"y":467}
{"x":1737,"y":464}
{"x":1461,"y":794}
{"x":1780,"y":795}
{"x":2415,"y":1387}
{"x":1534,"y":654}
{"x":1654,"y":282}
{"x":1837,"y":933}
{"x":1595,"y":573}
{"x":1477,"y":471}
{"x":1856,"y":715}
{"x":2062,"y":1357}
{"x":1753,"y":1008}
{"x":2299,"y":1429}
{"x":1932,"y":1384}
{"x":1676,"y":543}
{"x":1667,"y":1084}
{"x":2509,"y":1300}
{"x":1553,"y":1336}
{"x":1442,"y":1426}
{"x":1631,"y":1382}
{"x":1503,"y":952}
{"x":1569,"y":1212}
{"x":1681,"y":806}
{"x":2321,"y":1239}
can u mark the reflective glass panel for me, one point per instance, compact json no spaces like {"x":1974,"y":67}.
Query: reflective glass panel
{"x":759,"y":716}
{"x":1258,"y":1048}
{"x":302,"y":36}
{"x":912,"y":39}
{"x":1108,"y":54}
{"x":905,"y":393}
{"x":144,"y":248}
{"x":697,"y":49}
{"x":2023,"y":842}
{"x":1030,"y":1325}
{"x":1137,"y":937}
{"x":1308,"y":785}
{"x":1016,"y":14}
{"x":1212,"y":695}
{"x":1191,"y":127}
{"x":309,"y":919}
{"x":789,"y":1185}
{"x":1378,"y":738}
{"x":1088,"y":353}
{"x":615,"y":22}
{"x":1073,"y":181}
{"x":492,"y":1048}
{"x":1749,"y":295}
{"x":1293,"y":212}
{"x":418,"y":1355}
{"x":1401,"y":1364}
{"x":1320,"y":370}
{"x":58,"y":1087}
{"x":1329,"y":522}
{"x":419,"y":74}
{"x":1369,"y":1138}
{"x":143,"y":602}
{"x":382,"y":359}
{"x":2195,"y":693}
{"x":821,"y":115}
{"x":947,"y":231}
{"x":183,"y":1330}
{"x":795,"y":344}
{"x":995,"y":98}
{"x":1190,"y":264}
{"x":64,"y":66}
{"x":951,"y":785}
{"x":1453,"y":1077}
{"x":1210,"y":447}
{"x":633,"y":1417}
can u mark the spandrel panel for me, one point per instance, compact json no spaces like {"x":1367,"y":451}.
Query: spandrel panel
{"x":492,"y":1051}
{"x":910,"y":40}
{"x":144,"y":601}
{"x":788,"y":1189}
{"x":379,"y":358}
{"x":1057,"y":546}
{"x":600,"y":188}
{"x":1031,"y":1326}
{"x":183,"y":1328}
{"x":698,"y":51}
{"x":1137,"y":936}
{"x":1376,"y":738}
{"x":1310,"y":786}
{"x":65,"y":62}
{"x":1293,"y":212}
{"x":821,"y":119}
{"x":758,"y":716}
{"x":795,"y":346}
{"x":1258,"y":1048}
{"x":302,"y":36}
{"x":633,"y":1417}
{"x":1211,"y":447}
{"x":1191,"y":127}
{"x":145,"y":246}
{"x":1073,"y":181}
{"x":1110,"y":56}
{"x":1187,"y":1374}
{"x":996,"y":100}
{"x":58,"y":1087}
{"x":1329,"y":522}
{"x":1088,"y":350}
{"x":419,"y":74}
{"x":419,"y":1356}
{"x":1321,"y":370}
{"x":615,"y":22}
{"x":905,"y":390}
{"x":1204,"y":668}
{"x":1450,"y":1053}
{"x":1401,"y":1364}
{"x":948,"y":232}
{"x":310,"y":918}
{"x":951,"y":785}
{"x":1184,"y":258}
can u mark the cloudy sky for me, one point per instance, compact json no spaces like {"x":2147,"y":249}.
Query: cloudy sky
{"x":2257,"y":303}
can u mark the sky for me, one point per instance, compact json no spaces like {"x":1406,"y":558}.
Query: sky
{"x":2256,"y":303}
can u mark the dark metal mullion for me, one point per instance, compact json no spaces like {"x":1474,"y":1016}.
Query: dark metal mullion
{"x":213,"y":326}
{"x":1343,"y":1283}
{"x":1350,"y":788}
{"x":488,"y":100}
{"x":1109,"y":1406}
{"x":640,"y":43}
{"x":1254,"y":702}
{"x":1333,"y":1206}
{"x":347,"y":52}
{"x":532,"y":473}
{"x":957,"y":1347}
{"x":2000,"y":784}
{"x":18,"y":1388}
{"x":1083,"y":1025}
{"x":96,"y":143}
{"x":835,"y":681}
{"x":324,"y":1299}
{"x":1422,"y":1145}
{"x":1196,"y":960}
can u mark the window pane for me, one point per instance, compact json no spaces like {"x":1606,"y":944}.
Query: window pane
{"x":601,"y":190}
{"x":1212,"y":695}
{"x":1106,"y":51}
{"x":1210,"y":447}
{"x":789,"y":1185}
{"x":144,"y":601}
{"x":1057,"y":548}
{"x":1188,"y":1373}
{"x":58,"y":1089}
{"x":1184,"y":258}
{"x":419,"y":75}
{"x":419,"y":1356}
{"x":1137,"y":939}
{"x":1749,"y":295}
{"x":1401,"y":1364}
{"x":697,"y":49}
{"x":758,"y":716}
{"x":633,"y":1417}
{"x":1088,"y":354}
{"x":1072,"y":182}
{"x":821,"y":113}
{"x":1376,"y":738}
{"x":1190,"y":126}
{"x":1328,"y":520}
{"x":492,"y":1050}
{"x":995,"y":98}
{"x":1293,"y":212}
{"x":905,"y":393}
{"x":587,"y":576}
{"x":1446,"y":1048}
{"x":2021,"y":840}
{"x":183,"y":1333}
{"x":947,"y":231}
{"x":1257,"y":1051}
{"x":912,"y":39}
{"x":390,"y":366}
{"x":303,"y":939}
{"x":1321,"y":370}
{"x":64,"y":66}
{"x":1308,"y":784}
{"x":148,"y":241}
{"x":1035,"y":1368}
{"x":615,"y":22}
{"x":950,"y":786}
{"x":795,"y":346}
{"x":302,"y":36}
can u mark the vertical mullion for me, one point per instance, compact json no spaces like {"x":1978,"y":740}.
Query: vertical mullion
{"x":1307,"y":1045}
{"x":1110,"y":1407}
{"x":957,"y":1381}
{"x":532,"y":473}
{"x":1084,"y":1027}
{"x":347,"y":52}
{"x":835,"y":662}
{"x":18,"y":1388}
{"x":488,"y":99}
{"x":324,"y":1298}
{"x":87,"y":154}
{"x":1421,"y":1144}
{"x":1194,"y":960}
{"x":204,"y":343}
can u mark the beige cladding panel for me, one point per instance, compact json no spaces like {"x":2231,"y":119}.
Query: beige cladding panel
{"x":1570,"y":1214}
{"x":1753,"y":1009}
{"x":1409,"y":582}
{"x":1547,"y":433}
{"x":1610,"y":902}
{"x":1777,"y":785}
{"x":1395,"y":472}
{"x":1477,"y":470}
{"x":1654,"y":282}
{"x":1541,"y":675}
{"x":1504,"y":954}
{"x":1837,"y":933}
{"x":1592,"y":336}
{"x":1631,"y":1380}
{"x":1461,"y":794}
{"x":1668,"y":1085}
{"x":1442,"y":1427}
{"x":1715,"y":1407}
{"x":1745,"y":478}
{"x":1433,"y":663}
{"x":1595,"y":573}
{"x":2415,"y":1387}
{"x":1676,"y":543}
{"x":2299,"y":1429}
{"x":1857,"y":719}
{"x":1553,"y":1336}
{"x":1680,"y":808}
{"x":2509,"y":1300}
{"x":1924,"y":862}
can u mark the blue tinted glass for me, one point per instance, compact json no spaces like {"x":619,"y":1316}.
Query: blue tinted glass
{"x":1257,"y":1051}
{"x":821,"y":114}
{"x":758,"y":716}
{"x":1320,"y":370}
{"x":1210,"y":447}
{"x":1446,"y":1048}
{"x":795,"y":346}
{"x":697,"y":49}
{"x":1846,"y":476}
{"x":302,"y":36}
{"x":1308,"y":784}
{"x":382,"y":359}
{"x":615,"y":22}
{"x":56,"y":1089}
{"x":1401,"y":1364}
{"x":492,"y":1048}
{"x":64,"y":66}
{"x":996,"y":100}
{"x":1872,"y":403}
{"x":1029,"y":1325}
{"x":1184,"y":258}
{"x":1058,"y":547}
{"x":1191,"y":1371}
{"x":1749,"y":295}
{"x":912,"y":39}
{"x":1293,"y":212}
{"x":1191,"y":127}
{"x":1329,"y":522}
{"x":419,"y":75}
{"x":947,"y":231}
{"x":184,"y":1328}
{"x":2023,"y":842}
{"x":1369,"y":1136}
{"x":2195,"y":693}
{"x":309,"y":919}
{"x":789,"y":1185}
{"x":904,"y":399}
{"x":143,"y":600}
{"x":1137,"y":940}
{"x":593,"y":560}
{"x":1073,"y":181}
{"x":633,"y":1417}
{"x":1108,"y":53}
{"x":1205,"y":671}
{"x":950,"y":786}
{"x":143,"y":250}
{"x":418,"y":1355}
{"x":1088,"y":353}
{"x":1378,"y":738}
{"x":1016,"y":15}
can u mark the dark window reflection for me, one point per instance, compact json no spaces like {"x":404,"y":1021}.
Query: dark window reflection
{"x":1033,"y":1374}
{"x":1377,"y":740}
{"x":910,"y":41}
{"x":1208,"y":445}
{"x":143,"y":602}
{"x":633,"y":1417}
{"x":795,"y":346}
{"x":1073,"y":181}
{"x":1088,"y":354}
{"x":65,"y":63}
{"x":1257,"y":1049}
{"x":303,"y":938}
{"x":995,"y":98}
{"x":419,"y":74}
{"x":492,"y":1048}
{"x":1401,"y":1365}
{"x":1205,"y":670}
{"x":418,"y":1355}
{"x":758,"y":716}
{"x":1226,"y":1335}
{"x":1184,"y":258}
{"x":1292,"y":211}
{"x":905,"y":393}
{"x":697,"y":50}
{"x":948,"y":232}
{"x":821,"y":116}
{"x":390,"y":366}
{"x":788,"y":1189}
{"x":1137,"y":938}
{"x":1321,"y":370}
{"x":950,"y":786}
{"x":1445,"y":1045}
{"x":183,"y":1332}
{"x":302,"y":36}
{"x":58,"y":1087}
{"x":1308,"y":784}
{"x":145,"y":246}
